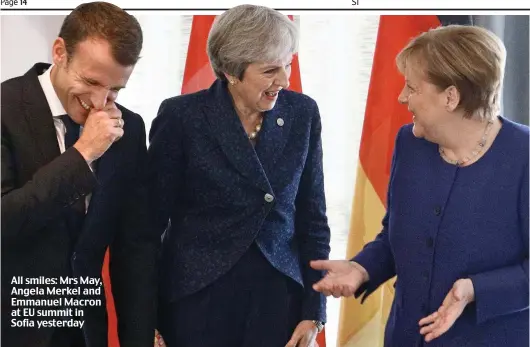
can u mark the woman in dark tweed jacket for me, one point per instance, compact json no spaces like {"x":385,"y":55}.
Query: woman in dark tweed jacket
{"x":237,"y":169}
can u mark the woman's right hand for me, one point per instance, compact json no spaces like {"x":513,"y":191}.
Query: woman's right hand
{"x":343,"y":277}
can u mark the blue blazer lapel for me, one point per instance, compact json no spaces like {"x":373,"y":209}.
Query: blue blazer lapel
{"x":274,"y":134}
{"x":226,"y":127}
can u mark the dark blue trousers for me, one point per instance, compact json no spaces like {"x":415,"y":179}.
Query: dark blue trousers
{"x":253,"y":305}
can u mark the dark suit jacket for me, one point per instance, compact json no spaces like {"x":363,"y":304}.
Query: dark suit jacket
{"x":214,"y":186}
{"x":39,"y":185}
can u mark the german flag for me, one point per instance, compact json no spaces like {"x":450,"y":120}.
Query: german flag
{"x":363,"y":325}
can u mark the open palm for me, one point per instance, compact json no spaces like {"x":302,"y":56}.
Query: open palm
{"x":343,"y":277}
{"x":452,"y":307}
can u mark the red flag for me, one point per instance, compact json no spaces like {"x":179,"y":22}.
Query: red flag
{"x":111,"y":311}
{"x":199,"y":75}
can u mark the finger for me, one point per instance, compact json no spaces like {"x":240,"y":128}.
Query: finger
{"x":426,"y":329}
{"x":304,"y":342}
{"x":113,"y":112}
{"x":118,"y":122}
{"x":324,"y":284}
{"x":293,"y":341}
{"x":326,"y":292}
{"x":110,"y":104}
{"x":431,"y":331}
{"x":338,"y":291}
{"x":320,"y":264}
{"x":320,"y":286}
{"x":429,"y":319}
{"x":443,"y":324}
{"x":116,"y":134}
{"x":440,"y":329}
{"x":348,"y":291}
{"x":430,"y":337}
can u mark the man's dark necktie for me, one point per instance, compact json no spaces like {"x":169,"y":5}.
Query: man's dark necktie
{"x":76,"y":213}
{"x":72,"y":131}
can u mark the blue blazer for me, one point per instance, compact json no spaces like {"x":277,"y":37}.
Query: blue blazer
{"x":444,"y":223}
{"x":221,"y":194}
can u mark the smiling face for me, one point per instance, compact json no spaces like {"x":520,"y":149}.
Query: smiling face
{"x":91,"y":78}
{"x":258,"y":90}
{"x":430,"y":107}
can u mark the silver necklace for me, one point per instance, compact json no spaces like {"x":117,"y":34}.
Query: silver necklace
{"x":480,"y":147}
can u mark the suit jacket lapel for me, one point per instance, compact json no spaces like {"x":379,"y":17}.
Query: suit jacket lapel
{"x":274,"y":134}
{"x":39,"y":116}
{"x":229,"y":132}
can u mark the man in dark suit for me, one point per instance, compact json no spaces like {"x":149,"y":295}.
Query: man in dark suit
{"x":67,"y":192}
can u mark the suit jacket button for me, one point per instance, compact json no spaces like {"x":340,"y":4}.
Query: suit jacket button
{"x":437,"y":210}
{"x":280,"y":122}
{"x":269,"y":198}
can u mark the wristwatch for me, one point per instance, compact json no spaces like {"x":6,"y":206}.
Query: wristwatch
{"x":319,"y":325}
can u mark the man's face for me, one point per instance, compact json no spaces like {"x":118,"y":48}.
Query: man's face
{"x":90,"y":79}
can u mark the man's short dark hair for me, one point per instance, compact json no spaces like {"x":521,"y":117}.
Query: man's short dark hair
{"x":101,"y":20}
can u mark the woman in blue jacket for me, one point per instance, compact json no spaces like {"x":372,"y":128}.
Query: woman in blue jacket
{"x":456,"y":228}
{"x":237,"y":170}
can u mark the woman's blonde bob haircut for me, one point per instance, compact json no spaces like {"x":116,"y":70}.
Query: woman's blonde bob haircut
{"x":468,"y":57}
{"x":248,"y":34}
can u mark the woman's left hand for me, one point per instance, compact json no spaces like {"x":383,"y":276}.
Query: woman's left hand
{"x":304,"y":335}
{"x":452,"y":307}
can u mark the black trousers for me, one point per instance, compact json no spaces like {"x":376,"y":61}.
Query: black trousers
{"x":253,"y":305}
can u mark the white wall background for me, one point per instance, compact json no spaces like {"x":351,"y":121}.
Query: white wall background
{"x":26,"y":40}
{"x":335,"y":55}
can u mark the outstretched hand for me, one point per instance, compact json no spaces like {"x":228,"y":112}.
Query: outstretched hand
{"x":452,"y":307}
{"x":343,"y":277}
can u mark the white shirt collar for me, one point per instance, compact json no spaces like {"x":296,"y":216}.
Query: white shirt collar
{"x":51,"y":96}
